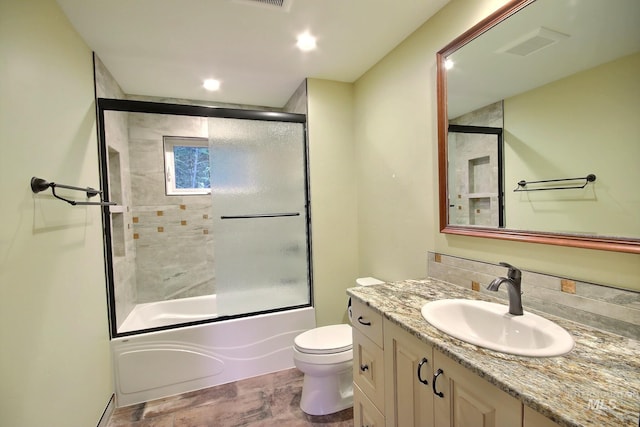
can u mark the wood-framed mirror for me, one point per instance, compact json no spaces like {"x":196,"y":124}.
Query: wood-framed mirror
{"x":499,"y":74}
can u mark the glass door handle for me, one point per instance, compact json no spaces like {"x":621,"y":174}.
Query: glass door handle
{"x":264,"y":215}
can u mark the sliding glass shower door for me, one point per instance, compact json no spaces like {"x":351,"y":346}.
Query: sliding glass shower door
{"x":260,"y":224}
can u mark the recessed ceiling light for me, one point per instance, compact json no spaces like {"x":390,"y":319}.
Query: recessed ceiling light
{"x":211,"y":84}
{"x":448,"y":64}
{"x":306,"y":42}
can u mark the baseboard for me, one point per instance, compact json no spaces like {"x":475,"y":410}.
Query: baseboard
{"x":111,"y":405}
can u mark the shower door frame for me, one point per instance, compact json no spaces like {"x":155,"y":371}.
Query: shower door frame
{"x":133,"y":106}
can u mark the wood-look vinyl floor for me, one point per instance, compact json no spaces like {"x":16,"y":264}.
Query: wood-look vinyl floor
{"x":267,"y":400}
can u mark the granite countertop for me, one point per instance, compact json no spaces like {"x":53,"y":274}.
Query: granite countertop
{"x":596,"y":384}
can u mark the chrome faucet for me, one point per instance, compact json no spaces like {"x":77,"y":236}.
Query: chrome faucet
{"x":513,"y":280}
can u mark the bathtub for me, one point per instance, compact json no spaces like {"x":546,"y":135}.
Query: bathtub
{"x":158,"y":364}
{"x":164,"y":313}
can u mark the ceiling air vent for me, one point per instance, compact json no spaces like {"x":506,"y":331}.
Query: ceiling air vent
{"x":271,"y":2}
{"x":268,"y":4}
{"x":533,"y":42}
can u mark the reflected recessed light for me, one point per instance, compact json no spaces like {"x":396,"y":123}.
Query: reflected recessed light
{"x":211,"y":84}
{"x":448,"y":64}
{"x":306,"y":42}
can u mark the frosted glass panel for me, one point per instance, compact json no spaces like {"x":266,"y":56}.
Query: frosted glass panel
{"x":258,"y":188}
{"x":261,"y":264}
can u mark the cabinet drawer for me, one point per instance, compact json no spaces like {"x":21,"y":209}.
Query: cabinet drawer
{"x":368,"y":368}
{"x":365,"y":414}
{"x":367,"y":321}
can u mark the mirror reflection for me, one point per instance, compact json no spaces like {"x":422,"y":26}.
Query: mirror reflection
{"x":560,"y":80}
{"x":475,"y":169}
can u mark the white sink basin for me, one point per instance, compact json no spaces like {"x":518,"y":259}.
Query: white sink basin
{"x":490,"y":325}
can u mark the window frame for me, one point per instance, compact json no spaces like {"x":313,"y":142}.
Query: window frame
{"x":168,"y":143}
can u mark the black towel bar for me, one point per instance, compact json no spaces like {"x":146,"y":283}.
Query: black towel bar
{"x":587,"y":179}
{"x":39,"y":184}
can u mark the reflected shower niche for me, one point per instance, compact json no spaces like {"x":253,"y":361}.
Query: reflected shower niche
{"x":481,"y":210}
{"x":475,"y":181}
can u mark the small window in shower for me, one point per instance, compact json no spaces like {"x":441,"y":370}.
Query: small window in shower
{"x":187,"y":167}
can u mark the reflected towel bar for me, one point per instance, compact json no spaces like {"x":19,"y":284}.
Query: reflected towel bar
{"x":587,"y":179}
{"x":39,"y":184}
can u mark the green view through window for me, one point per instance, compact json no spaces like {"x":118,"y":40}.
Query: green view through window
{"x":187,"y":167}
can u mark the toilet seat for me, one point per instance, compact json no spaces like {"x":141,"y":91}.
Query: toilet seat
{"x":325,"y":340}
{"x":300,"y":358}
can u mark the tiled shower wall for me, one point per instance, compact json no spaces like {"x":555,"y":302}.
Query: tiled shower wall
{"x":173,"y":234}
{"x":603,"y":307}
{"x":117,"y":136}
{"x":174,"y":246}
{"x":298,"y":102}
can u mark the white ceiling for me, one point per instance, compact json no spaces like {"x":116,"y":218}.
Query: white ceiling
{"x":167,"y":48}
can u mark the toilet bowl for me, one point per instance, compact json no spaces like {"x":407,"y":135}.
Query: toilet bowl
{"x":325,"y":356}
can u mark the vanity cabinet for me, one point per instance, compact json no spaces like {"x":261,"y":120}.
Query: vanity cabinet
{"x":368,"y":367}
{"x":458,"y":398}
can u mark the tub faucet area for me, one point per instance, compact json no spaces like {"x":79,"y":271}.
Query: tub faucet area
{"x":513,"y":281}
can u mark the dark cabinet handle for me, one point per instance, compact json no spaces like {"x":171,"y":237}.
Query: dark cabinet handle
{"x":364,"y":368}
{"x":433,"y":383}
{"x":422,"y":362}
{"x":363,"y":323}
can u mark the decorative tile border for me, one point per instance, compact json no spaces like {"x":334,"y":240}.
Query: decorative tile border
{"x":174,"y":248}
{"x":603,"y":307}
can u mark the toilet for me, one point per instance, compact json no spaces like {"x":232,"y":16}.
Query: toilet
{"x":325,"y":356}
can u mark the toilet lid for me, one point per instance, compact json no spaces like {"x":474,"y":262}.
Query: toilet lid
{"x":326,"y":339}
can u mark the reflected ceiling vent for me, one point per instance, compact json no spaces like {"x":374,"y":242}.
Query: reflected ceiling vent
{"x":533,"y":42}
{"x":267,"y":4}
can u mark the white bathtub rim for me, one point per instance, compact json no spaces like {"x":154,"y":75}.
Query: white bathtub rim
{"x":160,"y":314}
{"x":172,"y":314}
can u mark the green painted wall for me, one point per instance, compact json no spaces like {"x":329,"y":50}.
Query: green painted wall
{"x":55,"y":359}
{"x":333,"y":197}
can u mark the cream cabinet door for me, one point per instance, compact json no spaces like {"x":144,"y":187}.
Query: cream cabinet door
{"x":408,"y":400}
{"x":466,"y":400}
{"x":365,"y":413}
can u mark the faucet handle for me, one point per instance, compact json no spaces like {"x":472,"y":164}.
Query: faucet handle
{"x":513,"y":272}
